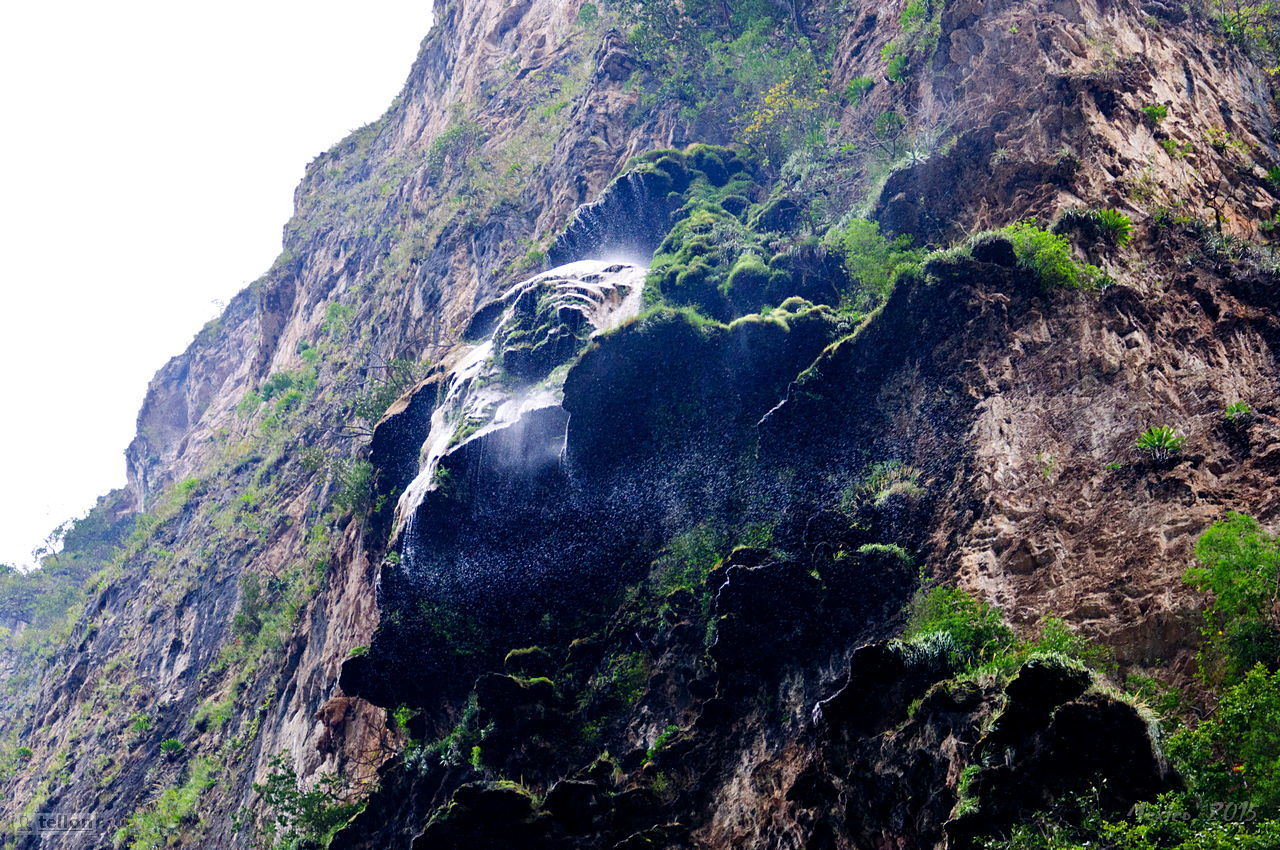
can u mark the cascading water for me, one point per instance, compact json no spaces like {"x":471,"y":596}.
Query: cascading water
{"x":629,"y":219}
{"x":545,"y":320}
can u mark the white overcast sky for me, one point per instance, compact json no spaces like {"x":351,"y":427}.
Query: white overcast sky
{"x":151,"y":150}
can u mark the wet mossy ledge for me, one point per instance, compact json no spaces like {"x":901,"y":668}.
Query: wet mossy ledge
{"x":638,"y":451}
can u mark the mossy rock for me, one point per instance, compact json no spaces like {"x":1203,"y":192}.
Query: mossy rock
{"x":735,"y":205}
{"x":676,"y":171}
{"x":747,"y":286}
{"x":778,"y":215}
{"x":530,"y":661}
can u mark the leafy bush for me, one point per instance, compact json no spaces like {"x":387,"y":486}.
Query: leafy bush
{"x":873,"y":261}
{"x":976,"y":627}
{"x":1155,"y":113}
{"x":140,"y":723}
{"x":1239,"y":564}
{"x":1255,"y":26}
{"x":1058,"y":638}
{"x":857,"y":89}
{"x":462,"y":743}
{"x":1235,"y":753}
{"x":1230,"y":760}
{"x":1048,"y":256}
{"x":1175,"y":149}
{"x":354,"y":479}
{"x":171,"y":747}
{"x":896,"y":69}
{"x":719,"y":62}
{"x":383,"y":391}
{"x":292,"y":817}
{"x":454,"y":144}
{"x":781,"y":117}
{"x":1237,"y":412}
{"x":1160,"y":442}
{"x":979,"y":637}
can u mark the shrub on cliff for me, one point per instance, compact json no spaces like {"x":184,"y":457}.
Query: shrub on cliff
{"x":1239,"y":564}
{"x":1235,"y":753}
{"x":872,"y":260}
{"x":1048,"y":256}
{"x":976,"y":627}
{"x":292,"y":817}
{"x":1230,"y":759}
{"x":984,"y":639}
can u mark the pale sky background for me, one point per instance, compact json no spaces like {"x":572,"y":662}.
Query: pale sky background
{"x":152,"y":149}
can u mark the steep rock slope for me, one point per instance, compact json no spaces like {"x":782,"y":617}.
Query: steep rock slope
{"x":270,"y":600}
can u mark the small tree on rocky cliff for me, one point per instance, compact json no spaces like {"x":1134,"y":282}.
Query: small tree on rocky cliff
{"x":1239,"y":564}
{"x":293,"y":817}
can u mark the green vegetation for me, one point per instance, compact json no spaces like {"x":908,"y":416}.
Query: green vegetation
{"x":738,"y":63}
{"x":976,"y":630}
{"x":1115,"y":226}
{"x":457,"y":142}
{"x":881,"y":483}
{"x":159,"y":823}
{"x":354,"y":479}
{"x":1048,"y":256}
{"x":1254,"y":26}
{"x":1237,"y":412}
{"x":383,"y":390}
{"x":1229,"y":759}
{"x":975,"y":637}
{"x":1239,"y":564}
{"x":462,"y":745}
{"x":1160,"y":443}
{"x":1176,"y":149}
{"x":857,"y":90}
{"x":292,"y":817}
{"x":1155,"y":113}
{"x":172,"y":747}
{"x":661,"y":741}
{"x":872,"y":261}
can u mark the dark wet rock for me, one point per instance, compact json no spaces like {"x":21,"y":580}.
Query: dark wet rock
{"x":486,"y":815}
{"x":761,"y":613}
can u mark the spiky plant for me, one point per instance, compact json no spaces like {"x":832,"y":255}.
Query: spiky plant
{"x":1113,"y":225}
{"x":1160,"y":442}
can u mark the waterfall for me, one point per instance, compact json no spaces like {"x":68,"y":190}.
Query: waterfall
{"x":481,"y":396}
{"x":629,"y":219}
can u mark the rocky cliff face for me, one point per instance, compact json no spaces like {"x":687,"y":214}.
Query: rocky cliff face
{"x":490,"y":553}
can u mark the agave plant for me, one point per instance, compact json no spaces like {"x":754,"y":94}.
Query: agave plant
{"x":1115,"y":226}
{"x":1160,"y":442}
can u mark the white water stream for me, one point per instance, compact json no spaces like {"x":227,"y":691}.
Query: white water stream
{"x":480,"y":394}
